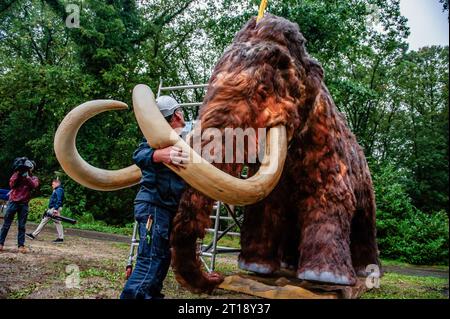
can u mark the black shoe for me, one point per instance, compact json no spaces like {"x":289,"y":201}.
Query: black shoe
{"x":30,"y":235}
{"x":58,"y":241}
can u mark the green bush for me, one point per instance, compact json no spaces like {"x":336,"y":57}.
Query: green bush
{"x":404,"y":232}
{"x":37,"y":207}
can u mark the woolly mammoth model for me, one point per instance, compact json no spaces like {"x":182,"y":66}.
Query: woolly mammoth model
{"x":309,"y":203}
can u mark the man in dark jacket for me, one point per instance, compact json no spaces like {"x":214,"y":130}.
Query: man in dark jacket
{"x":22,"y":182}
{"x":155,"y":206}
{"x":54,"y":208}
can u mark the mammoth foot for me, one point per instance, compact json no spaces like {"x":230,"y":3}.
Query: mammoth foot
{"x":327,"y":277}
{"x":257,"y":267}
{"x":335,"y":276}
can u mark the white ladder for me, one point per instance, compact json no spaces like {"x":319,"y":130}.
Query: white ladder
{"x":211,"y":249}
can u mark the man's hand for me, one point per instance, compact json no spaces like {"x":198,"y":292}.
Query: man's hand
{"x":171,"y":155}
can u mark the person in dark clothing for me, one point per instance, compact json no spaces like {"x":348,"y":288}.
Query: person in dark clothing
{"x":155,"y":206}
{"x":54,"y":208}
{"x":22,"y":182}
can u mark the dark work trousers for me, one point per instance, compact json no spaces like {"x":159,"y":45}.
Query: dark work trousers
{"x":22,"y":213}
{"x":153,"y":258}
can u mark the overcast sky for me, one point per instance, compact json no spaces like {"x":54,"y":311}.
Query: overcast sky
{"x":428,"y":24}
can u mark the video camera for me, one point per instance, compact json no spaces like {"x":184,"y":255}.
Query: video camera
{"x":60,"y":218}
{"x":23,"y":164}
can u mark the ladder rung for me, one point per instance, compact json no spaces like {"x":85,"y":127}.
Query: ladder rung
{"x":228,"y":251}
{"x":183,"y":87}
{"x":221,"y":251}
{"x":221,"y":217}
{"x":219,"y":247}
{"x":190,"y":104}
{"x":211,"y":230}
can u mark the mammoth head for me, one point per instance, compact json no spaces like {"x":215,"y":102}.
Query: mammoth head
{"x":265,"y":79}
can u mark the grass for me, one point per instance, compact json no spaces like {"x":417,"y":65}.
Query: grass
{"x":98,"y":272}
{"x":227,"y":241}
{"x":100,"y":227}
{"x":22,"y":293}
{"x":397,"y":286}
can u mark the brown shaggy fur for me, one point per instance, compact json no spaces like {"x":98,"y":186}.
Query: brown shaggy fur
{"x":321,"y":215}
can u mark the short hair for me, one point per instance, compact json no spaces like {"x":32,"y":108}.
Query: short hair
{"x":56,"y":180}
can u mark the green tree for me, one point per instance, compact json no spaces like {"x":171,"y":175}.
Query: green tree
{"x":419,"y":140}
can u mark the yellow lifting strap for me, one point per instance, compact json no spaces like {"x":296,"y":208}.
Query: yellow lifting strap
{"x":262,"y":8}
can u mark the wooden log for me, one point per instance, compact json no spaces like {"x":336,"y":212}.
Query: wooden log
{"x":256,"y":288}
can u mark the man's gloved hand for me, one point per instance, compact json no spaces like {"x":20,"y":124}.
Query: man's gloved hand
{"x":51,"y":211}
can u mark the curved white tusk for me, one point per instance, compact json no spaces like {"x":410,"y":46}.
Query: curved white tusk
{"x":75,"y":166}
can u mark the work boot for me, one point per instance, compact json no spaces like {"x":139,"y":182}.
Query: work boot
{"x":30,"y":235}
{"x":23,"y":250}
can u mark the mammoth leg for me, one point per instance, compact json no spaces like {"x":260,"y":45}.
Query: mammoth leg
{"x":363,"y":244}
{"x":261,"y":233}
{"x":325,"y":240}
{"x":290,"y":238}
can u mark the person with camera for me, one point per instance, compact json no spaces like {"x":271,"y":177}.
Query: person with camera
{"x":54,"y":209}
{"x":22,"y":182}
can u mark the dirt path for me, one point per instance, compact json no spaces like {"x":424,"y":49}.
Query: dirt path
{"x":417,"y":271}
{"x":89,"y":234}
{"x":42,"y":273}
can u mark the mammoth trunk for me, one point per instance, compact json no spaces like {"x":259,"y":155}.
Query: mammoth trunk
{"x":189,"y":225}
